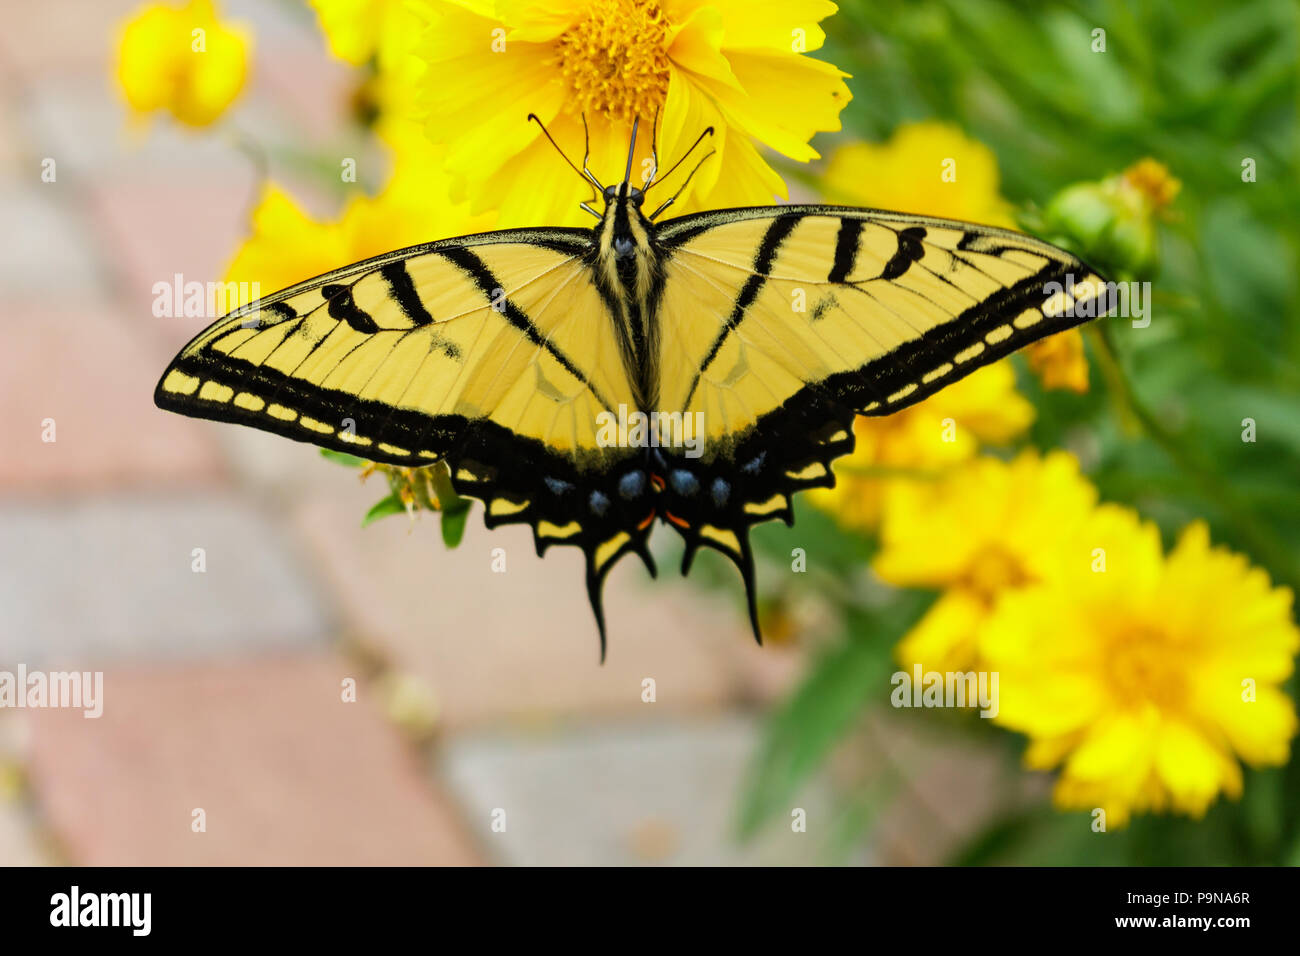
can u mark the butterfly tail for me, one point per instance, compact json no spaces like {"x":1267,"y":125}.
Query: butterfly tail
{"x":746,"y":566}
{"x":743,"y":559}
{"x":595,"y":587}
{"x":598,"y":571}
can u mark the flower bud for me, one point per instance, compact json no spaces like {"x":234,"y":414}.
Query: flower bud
{"x":1112,"y":223}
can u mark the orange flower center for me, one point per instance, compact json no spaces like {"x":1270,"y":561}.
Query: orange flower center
{"x":614,"y":61}
{"x":1143,"y":665}
{"x":995,"y":571}
{"x":1151,"y":179}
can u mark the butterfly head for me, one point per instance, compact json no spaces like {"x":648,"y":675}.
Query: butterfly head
{"x":623,"y":192}
{"x":623,"y":195}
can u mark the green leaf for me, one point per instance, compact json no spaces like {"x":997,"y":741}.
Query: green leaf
{"x":841,"y":685}
{"x":392,"y":505}
{"x":341,"y":458}
{"x":453,"y":524}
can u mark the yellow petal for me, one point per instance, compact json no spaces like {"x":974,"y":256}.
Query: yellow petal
{"x":944,"y":638}
{"x":1189,"y":766}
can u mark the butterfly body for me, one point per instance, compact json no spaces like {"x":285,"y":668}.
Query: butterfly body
{"x":749,"y":339}
{"x":627,"y":263}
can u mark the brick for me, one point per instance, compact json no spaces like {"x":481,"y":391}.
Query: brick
{"x":306,"y":93}
{"x":519,"y":645}
{"x":14,"y":163}
{"x":20,"y":842}
{"x":59,"y":35}
{"x":195,"y":228}
{"x":954,"y":788}
{"x":83,"y":121}
{"x":78,"y":364}
{"x":110,"y":580}
{"x":49,"y":250}
{"x":286,"y":773}
{"x":649,"y":791}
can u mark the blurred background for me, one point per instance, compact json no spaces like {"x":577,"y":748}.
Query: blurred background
{"x":222,"y":581}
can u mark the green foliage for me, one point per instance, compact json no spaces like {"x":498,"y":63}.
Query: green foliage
{"x":339,"y":458}
{"x":453,"y":523}
{"x":1202,"y":87}
{"x":392,"y":505}
{"x":411,"y":489}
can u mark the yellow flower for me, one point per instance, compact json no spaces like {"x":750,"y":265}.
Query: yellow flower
{"x":922,"y":440}
{"x":1153,"y":181}
{"x":287,"y":245}
{"x":934,"y":169}
{"x":356,"y":29}
{"x":1148,"y":681}
{"x":929,"y":168}
{"x":729,"y":64}
{"x":986,"y":528}
{"x":1059,"y":362}
{"x":381,"y":32}
{"x":182,"y":60}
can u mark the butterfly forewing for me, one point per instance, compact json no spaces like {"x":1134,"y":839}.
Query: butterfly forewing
{"x":878,"y":309}
{"x":396,"y":358}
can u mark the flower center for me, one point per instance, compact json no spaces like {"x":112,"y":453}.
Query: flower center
{"x":993,"y":571}
{"x":1151,"y":179}
{"x":1144,"y":666}
{"x":614,"y":60}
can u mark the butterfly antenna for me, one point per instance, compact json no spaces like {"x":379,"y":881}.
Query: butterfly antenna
{"x":585,"y":173}
{"x":586,"y":154}
{"x":686,"y":183}
{"x":654,"y":151}
{"x":699,"y":139}
{"x":631,"y":151}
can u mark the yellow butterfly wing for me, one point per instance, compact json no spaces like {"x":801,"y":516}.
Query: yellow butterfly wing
{"x":492,"y":352}
{"x":780,"y":324}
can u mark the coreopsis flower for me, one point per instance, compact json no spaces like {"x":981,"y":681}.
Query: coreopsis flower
{"x":1059,"y":361}
{"x":183,"y":60}
{"x":287,"y":245}
{"x":1146,"y":679}
{"x":380,"y":34}
{"x":935,"y":169}
{"x":924,"y":440}
{"x":987,"y":528}
{"x":738,"y":67}
{"x":931,"y":168}
{"x":357,"y":30}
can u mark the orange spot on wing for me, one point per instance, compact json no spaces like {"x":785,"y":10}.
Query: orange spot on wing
{"x":658,"y":482}
{"x":646,"y":523}
{"x":681,"y":523}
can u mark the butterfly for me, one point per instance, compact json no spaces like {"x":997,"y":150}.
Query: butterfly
{"x":696,"y":371}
